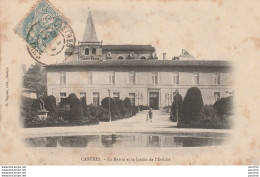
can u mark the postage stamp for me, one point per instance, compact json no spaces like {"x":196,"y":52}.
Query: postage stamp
{"x":65,"y":39}
{"x":43,"y":30}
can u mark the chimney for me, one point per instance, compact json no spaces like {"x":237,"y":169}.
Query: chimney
{"x":164,"y":56}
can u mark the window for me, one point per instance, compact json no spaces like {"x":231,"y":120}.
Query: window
{"x":108,"y":56}
{"x":63,"y":77}
{"x":132,"y":55}
{"x":96,"y":98}
{"x":132,"y":77}
{"x":116,"y":95}
{"x":82,"y":95}
{"x":216,"y":96}
{"x":176,"y":78}
{"x":195,"y":78}
{"x":111,"y":77}
{"x":168,"y":99}
{"x":120,"y":58}
{"x":62,"y":96}
{"x":90,"y":77}
{"x":216,"y":78}
{"x":139,"y":98}
{"x":143,"y":58}
{"x":94,"y":51}
{"x":132,"y":98}
{"x":86,"y":51}
{"x":154,"y":77}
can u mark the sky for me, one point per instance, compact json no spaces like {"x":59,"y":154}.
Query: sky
{"x":207,"y":29}
{"x":212,"y":30}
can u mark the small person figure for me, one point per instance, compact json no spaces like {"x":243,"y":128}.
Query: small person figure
{"x":150,"y":113}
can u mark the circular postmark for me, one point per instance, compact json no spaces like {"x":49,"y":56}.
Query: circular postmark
{"x":48,"y":38}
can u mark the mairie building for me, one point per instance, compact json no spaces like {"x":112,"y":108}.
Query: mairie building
{"x":95,"y":71}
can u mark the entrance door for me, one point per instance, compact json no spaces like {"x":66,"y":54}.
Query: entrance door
{"x":154,"y":100}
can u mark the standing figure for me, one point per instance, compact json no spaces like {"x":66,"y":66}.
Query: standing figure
{"x":150,"y":113}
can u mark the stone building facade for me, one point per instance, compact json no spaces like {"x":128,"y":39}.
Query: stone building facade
{"x":96,"y":71}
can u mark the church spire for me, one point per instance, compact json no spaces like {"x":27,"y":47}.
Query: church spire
{"x":90,"y":32}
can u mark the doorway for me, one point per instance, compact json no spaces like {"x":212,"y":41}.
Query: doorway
{"x":154,"y":100}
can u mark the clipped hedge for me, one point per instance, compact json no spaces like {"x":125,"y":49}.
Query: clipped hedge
{"x":176,"y":108}
{"x":128,"y":105}
{"x":121,"y":107}
{"x":50,"y":104}
{"x":113,"y":106}
{"x":28,"y":110}
{"x":76,"y":111}
{"x":192,"y":105}
{"x":134,"y":110}
{"x":208,"y":118}
{"x":224,"y":106}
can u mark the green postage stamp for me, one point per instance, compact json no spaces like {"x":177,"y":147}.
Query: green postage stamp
{"x":41,"y":26}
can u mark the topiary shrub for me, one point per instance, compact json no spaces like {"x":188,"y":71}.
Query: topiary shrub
{"x":113,"y":106}
{"x":134,"y":110}
{"x":121,"y":107}
{"x":28,"y":110}
{"x":209,"y":118}
{"x":192,"y":105}
{"x":97,"y":113}
{"x":128,"y":106}
{"x":224,"y":106}
{"x":63,"y":109}
{"x":76,"y":112}
{"x":84,"y":106}
{"x":176,"y":108}
{"x":50,"y":104}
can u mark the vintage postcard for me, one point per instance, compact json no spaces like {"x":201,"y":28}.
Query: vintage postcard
{"x":130,"y":82}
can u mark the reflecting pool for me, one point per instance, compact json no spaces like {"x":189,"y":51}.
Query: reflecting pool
{"x":130,"y":140}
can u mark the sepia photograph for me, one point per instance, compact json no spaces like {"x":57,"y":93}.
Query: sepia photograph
{"x":129,"y":83}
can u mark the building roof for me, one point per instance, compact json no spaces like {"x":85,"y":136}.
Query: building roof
{"x":124,"y":47}
{"x":186,"y":54}
{"x":90,"y":34}
{"x":144,"y":63}
{"x":128,"y":47}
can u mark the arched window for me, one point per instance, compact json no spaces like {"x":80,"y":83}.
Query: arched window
{"x":94,"y":51}
{"x":86,"y":51}
{"x":109,"y":54}
{"x":143,"y":58}
{"x":120,"y":58}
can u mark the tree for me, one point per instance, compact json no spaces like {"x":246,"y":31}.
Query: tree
{"x":224,"y":106}
{"x":113,"y":106}
{"x":76,"y":112}
{"x":50,"y":104}
{"x":128,"y":105}
{"x":121,"y":106}
{"x":84,"y":106}
{"x":192,"y":105}
{"x":176,"y":108}
{"x":36,"y":79}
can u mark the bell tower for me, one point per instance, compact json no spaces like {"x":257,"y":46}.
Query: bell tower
{"x":90,"y":48}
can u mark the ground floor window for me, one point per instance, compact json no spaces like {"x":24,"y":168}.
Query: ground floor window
{"x":82,"y":95}
{"x":96,"y":98}
{"x":62,"y":96}
{"x":139,"y":99}
{"x":216,"y":96}
{"x":116,"y":95}
{"x":132,"y":98}
{"x":168,"y":99}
